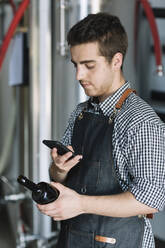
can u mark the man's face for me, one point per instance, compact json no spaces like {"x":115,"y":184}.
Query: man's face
{"x":96,"y":75}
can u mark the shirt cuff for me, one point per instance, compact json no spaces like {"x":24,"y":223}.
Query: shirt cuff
{"x":148,"y":193}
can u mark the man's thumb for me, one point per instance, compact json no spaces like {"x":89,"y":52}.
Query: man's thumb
{"x":60,"y":187}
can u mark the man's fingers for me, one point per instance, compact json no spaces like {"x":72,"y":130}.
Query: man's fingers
{"x":62,"y":159}
{"x":70,"y":148}
{"x":51,"y":212}
{"x":72,"y":162}
{"x":65,"y":162}
{"x":54,"y":152}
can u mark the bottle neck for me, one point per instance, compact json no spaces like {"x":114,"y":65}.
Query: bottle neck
{"x":27,"y":183}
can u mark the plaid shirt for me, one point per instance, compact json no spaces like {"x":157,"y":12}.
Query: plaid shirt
{"x":138,"y":150}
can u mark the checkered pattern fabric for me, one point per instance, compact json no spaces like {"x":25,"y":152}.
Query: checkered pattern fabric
{"x":138,"y":149}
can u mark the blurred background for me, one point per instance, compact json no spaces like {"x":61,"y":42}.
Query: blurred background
{"x":38,"y":90}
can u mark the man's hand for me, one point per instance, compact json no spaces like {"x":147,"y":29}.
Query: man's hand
{"x":62,"y":164}
{"x":67,"y":205}
{"x":70,"y":204}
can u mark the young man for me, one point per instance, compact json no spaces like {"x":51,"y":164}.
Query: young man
{"x":117,"y":179}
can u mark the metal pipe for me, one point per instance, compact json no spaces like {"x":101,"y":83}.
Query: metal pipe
{"x":34,"y":103}
{"x":64,"y":5}
{"x":15,"y":197}
{"x":40,"y":104}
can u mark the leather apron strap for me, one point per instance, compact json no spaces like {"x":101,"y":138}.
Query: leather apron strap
{"x":124,"y":96}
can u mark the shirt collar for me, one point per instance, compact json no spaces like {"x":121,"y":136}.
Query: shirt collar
{"x":107,"y":106}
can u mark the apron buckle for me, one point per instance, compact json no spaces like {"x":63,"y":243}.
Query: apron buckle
{"x":112,"y":116}
{"x":80,"y":116}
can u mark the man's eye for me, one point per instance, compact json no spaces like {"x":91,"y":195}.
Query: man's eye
{"x":90,"y":67}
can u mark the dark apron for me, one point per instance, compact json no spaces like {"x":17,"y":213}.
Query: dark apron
{"x":95,"y":175}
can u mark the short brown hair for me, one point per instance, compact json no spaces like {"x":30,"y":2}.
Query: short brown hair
{"x":103,"y":28}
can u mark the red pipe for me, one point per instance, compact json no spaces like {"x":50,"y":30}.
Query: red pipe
{"x":154,"y":30}
{"x":24,"y":4}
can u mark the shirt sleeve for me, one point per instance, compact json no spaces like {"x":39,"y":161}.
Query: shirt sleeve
{"x":146,"y":164}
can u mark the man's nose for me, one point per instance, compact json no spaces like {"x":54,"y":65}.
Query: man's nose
{"x":80,"y":73}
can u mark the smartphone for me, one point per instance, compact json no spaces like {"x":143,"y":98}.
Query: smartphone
{"x":61,"y":149}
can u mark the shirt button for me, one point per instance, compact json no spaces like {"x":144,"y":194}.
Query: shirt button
{"x":83,"y":190}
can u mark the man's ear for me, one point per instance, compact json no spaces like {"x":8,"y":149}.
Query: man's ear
{"x":117,"y":61}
